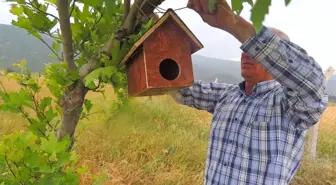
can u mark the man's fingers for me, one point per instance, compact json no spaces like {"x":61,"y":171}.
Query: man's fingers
{"x":196,"y":5}
{"x":190,"y":4}
{"x":205,"y":6}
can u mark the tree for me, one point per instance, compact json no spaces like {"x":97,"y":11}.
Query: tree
{"x":92,"y":38}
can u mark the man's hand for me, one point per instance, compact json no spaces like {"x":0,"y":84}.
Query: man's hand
{"x":222,"y":11}
{"x":223,"y":18}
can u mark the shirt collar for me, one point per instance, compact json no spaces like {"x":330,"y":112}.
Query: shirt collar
{"x":260,"y":87}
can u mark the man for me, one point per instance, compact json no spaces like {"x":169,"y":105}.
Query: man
{"x":259,"y":126}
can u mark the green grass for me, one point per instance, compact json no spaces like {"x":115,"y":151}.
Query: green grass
{"x":157,"y":142}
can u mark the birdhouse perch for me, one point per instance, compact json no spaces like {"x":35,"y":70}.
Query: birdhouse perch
{"x":161,"y":59}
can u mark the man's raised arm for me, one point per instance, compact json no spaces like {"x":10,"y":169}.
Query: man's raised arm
{"x":301,"y":76}
{"x":201,"y":96}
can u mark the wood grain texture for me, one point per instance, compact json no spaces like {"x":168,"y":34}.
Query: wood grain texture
{"x":136,"y":75}
{"x":172,"y":16}
{"x":168,"y":41}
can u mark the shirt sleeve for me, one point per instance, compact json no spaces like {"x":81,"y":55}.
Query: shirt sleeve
{"x":202,"y":96}
{"x":300,"y":75}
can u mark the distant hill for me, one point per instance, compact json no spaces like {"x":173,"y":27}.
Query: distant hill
{"x":208,"y":69}
{"x":16,"y":44}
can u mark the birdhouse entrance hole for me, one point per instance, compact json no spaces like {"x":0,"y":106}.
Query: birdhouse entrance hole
{"x":169,"y":69}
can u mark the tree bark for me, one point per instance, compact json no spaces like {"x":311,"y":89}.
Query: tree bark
{"x":64,"y":21}
{"x":73,"y":100}
{"x":127,"y":7}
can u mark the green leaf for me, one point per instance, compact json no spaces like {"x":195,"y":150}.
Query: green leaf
{"x":22,"y":22}
{"x":258,"y":13}
{"x":91,"y":2}
{"x":287,"y":2}
{"x":88,"y":105}
{"x":237,"y":6}
{"x":52,"y":1}
{"x":108,"y":71}
{"x":50,"y":114}
{"x":212,"y":5}
{"x":250,"y":2}
{"x":93,"y":76}
{"x":56,"y":46}
{"x":33,"y":160}
{"x":44,"y":103}
{"x":9,"y":108}
{"x":115,"y":52}
{"x":4,"y":97}
{"x":16,"y":10}
{"x":63,"y":158}
{"x":52,"y":145}
{"x":82,"y":170}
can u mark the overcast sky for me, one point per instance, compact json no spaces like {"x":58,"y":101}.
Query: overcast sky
{"x":310,"y":24}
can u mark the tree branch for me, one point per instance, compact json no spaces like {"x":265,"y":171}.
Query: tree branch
{"x":127,"y":7}
{"x":39,"y":10}
{"x":59,"y":58}
{"x":72,"y":8}
{"x":10,"y":169}
{"x":64,"y":21}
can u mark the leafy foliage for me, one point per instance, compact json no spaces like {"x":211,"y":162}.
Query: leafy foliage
{"x":36,"y":156}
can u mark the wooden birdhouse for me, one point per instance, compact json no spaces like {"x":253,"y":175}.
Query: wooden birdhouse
{"x":161,"y":59}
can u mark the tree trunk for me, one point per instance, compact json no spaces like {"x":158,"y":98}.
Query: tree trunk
{"x":73,"y":100}
{"x":71,"y":105}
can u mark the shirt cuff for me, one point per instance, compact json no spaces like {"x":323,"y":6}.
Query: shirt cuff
{"x":261,"y":45}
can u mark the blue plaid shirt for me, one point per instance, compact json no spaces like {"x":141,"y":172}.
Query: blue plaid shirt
{"x":259,"y":139}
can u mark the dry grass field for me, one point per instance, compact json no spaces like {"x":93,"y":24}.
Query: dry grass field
{"x":161,"y":143}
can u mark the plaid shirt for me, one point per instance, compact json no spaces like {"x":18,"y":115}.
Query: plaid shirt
{"x":259,"y":139}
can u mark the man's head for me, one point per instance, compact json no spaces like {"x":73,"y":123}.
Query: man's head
{"x":251,"y":70}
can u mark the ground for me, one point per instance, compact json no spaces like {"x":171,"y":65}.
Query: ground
{"x":155,"y":141}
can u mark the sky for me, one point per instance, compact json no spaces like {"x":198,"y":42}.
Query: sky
{"x":309,"y":24}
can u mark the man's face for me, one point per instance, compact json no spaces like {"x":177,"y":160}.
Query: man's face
{"x":251,"y":69}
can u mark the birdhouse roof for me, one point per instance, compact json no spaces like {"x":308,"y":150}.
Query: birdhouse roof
{"x":196,"y":44}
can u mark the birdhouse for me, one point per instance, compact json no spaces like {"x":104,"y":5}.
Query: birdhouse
{"x":161,"y":59}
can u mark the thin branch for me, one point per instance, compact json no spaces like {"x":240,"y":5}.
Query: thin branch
{"x":180,"y":8}
{"x":36,"y":105}
{"x":21,"y":110}
{"x":72,"y":8}
{"x":10,"y":169}
{"x":157,"y":7}
{"x":30,"y":121}
{"x":143,"y":13}
{"x":39,"y":10}
{"x":59,"y":58}
{"x":50,"y":35}
{"x":87,"y":115}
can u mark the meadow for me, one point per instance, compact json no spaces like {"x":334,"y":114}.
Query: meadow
{"x":155,"y":141}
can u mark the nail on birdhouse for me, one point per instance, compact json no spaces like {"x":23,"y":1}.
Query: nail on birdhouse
{"x":161,"y":59}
